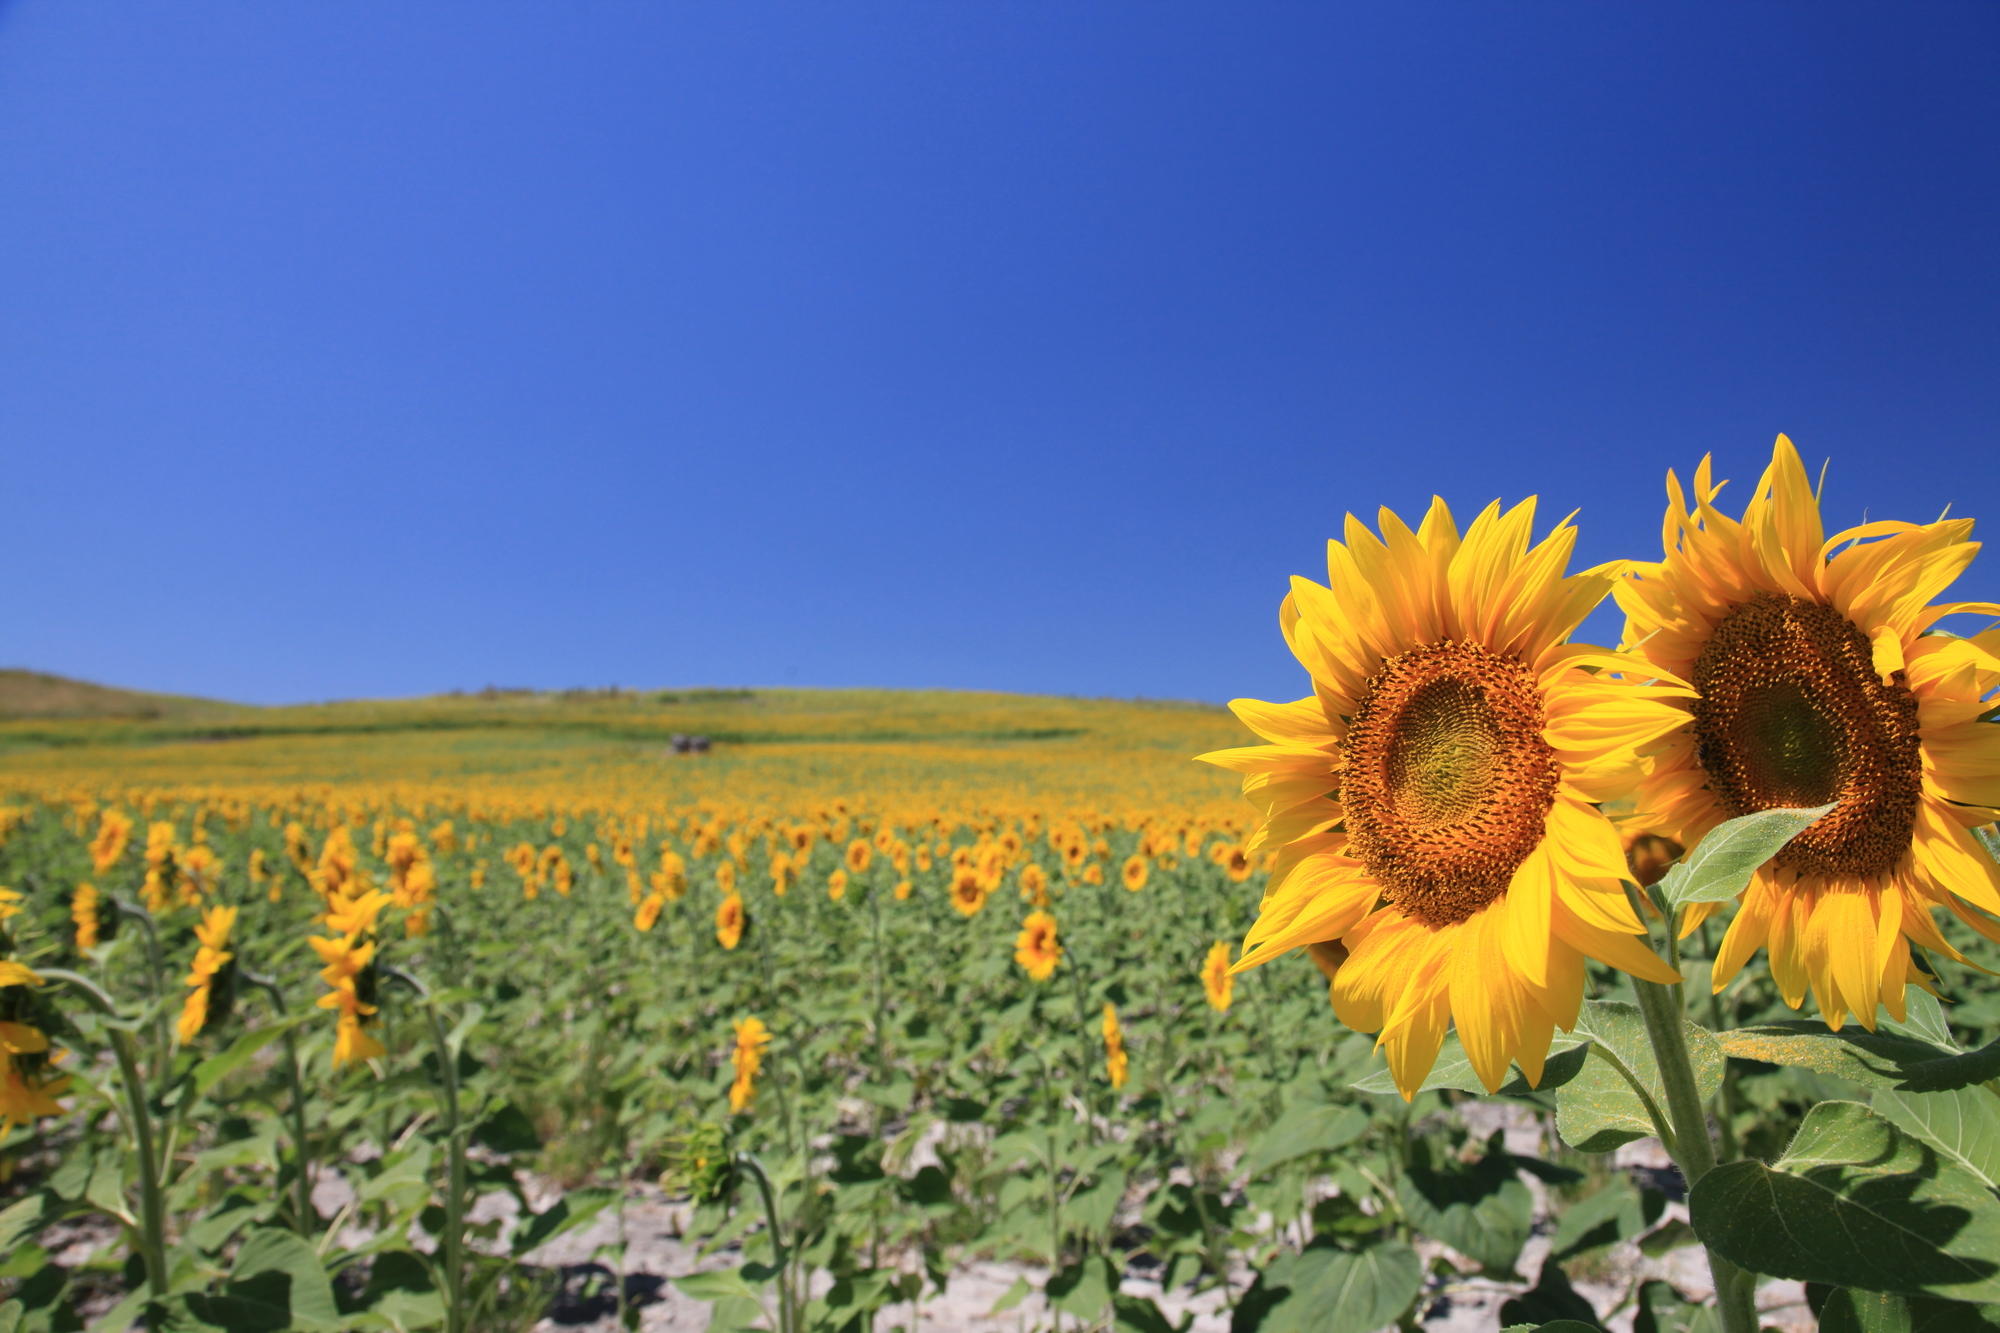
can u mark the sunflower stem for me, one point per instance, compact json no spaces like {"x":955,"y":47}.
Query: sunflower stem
{"x":139,"y":1119}
{"x":302,"y":1184}
{"x":453,"y":1239}
{"x":1693,"y":1151}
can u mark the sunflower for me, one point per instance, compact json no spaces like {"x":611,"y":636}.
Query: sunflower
{"x":209,"y":960}
{"x":83,"y":911}
{"x":1134,"y":873}
{"x":648,"y":912}
{"x":1819,"y":680}
{"x":1216,"y":981}
{"x":1036,"y":949}
{"x":968,"y":892}
{"x":859,"y":854}
{"x":28,"y":1086}
{"x":836,"y":884}
{"x":1035,"y":884}
{"x":1116,"y":1063}
{"x":747,"y":1059}
{"x":730,"y":920}
{"x":1433,"y":802}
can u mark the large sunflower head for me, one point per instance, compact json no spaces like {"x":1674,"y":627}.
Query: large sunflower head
{"x":1433,"y":802}
{"x":1036,"y":948}
{"x":1819,"y":680}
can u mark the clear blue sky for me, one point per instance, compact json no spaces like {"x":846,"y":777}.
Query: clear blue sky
{"x":367,"y":348}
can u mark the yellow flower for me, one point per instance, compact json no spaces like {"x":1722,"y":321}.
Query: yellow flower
{"x":83,"y":912}
{"x":836,"y":885}
{"x":1819,"y":681}
{"x":902,"y":890}
{"x":1036,"y":948}
{"x":1116,"y":1063}
{"x":858,"y":856}
{"x":28,"y":1086}
{"x":1216,"y":981}
{"x":649,"y":911}
{"x":730,"y":920}
{"x":1433,"y":801}
{"x":114,"y":833}
{"x":747,"y":1059}
{"x":968,"y":893}
{"x":1134,"y":873}
{"x":1035,"y":884}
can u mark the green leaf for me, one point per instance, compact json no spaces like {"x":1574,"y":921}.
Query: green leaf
{"x":1323,"y":1289}
{"x":566,"y":1214}
{"x":1963,"y":1125}
{"x":1873,"y":1059}
{"x":1721,"y":864}
{"x":1923,"y":1019}
{"x":1082,"y":1289}
{"x":1617,"y":1212}
{"x":1012,"y":1297}
{"x":23,"y":1218}
{"x":277,"y":1271}
{"x":1304,"y":1128}
{"x":507,"y":1129}
{"x":1856,"y":1202}
{"x":402,"y":1290}
{"x":240,"y":1052}
{"x":1453,"y":1069}
{"x":1597,"y":1111}
{"x":1481,"y":1209}
{"x":715,"y":1285}
{"x":1850,"y":1311}
{"x":1551,"y":1303}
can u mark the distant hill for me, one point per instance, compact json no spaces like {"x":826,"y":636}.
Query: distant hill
{"x":37,"y":694}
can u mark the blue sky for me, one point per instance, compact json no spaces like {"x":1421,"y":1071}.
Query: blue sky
{"x":368,"y":349}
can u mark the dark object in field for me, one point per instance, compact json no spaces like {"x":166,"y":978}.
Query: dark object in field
{"x":690,"y":744}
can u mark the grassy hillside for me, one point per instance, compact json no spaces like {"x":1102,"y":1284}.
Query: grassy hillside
{"x":39,"y":695}
{"x":768,"y":745}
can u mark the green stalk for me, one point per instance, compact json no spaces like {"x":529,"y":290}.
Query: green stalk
{"x":162,"y":1050}
{"x":453,"y":1240}
{"x":152,"y":1198}
{"x":1693,"y":1151}
{"x":777,"y":1066}
{"x":302,"y":1184}
{"x":748,"y":1162}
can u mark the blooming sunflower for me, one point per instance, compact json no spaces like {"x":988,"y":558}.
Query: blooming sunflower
{"x":1432,"y":803}
{"x":968,"y":893}
{"x":1819,"y":680}
{"x":1134,"y":873}
{"x":1036,"y":948}
{"x":1216,"y":982}
{"x":730,"y":920}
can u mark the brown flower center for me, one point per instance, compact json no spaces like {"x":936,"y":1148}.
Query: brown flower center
{"x":1448,"y":781}
{"x":1792,"y":713}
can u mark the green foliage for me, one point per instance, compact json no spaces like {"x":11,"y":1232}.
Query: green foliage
{"x":1856,"y":1202}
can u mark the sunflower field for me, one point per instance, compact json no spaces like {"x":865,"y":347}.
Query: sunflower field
{"x":1534,"y":983}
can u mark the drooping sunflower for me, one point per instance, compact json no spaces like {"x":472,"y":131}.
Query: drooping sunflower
{"x":1819,"y":680}
{"x":1036,"y":948}
{"x":1433,"y":803}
